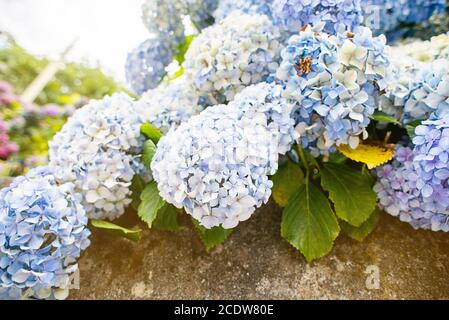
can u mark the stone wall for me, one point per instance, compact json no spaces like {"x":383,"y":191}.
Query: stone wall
{"x":255,"y":263}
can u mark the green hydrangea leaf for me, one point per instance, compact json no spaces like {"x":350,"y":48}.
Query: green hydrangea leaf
{"x":149,"y":149}
{"x":182,"y":48}
{"x":350,"y":191}
{"x":361,"y":232}
{"x":151,"y":203}
{"x":133,"y":235}
{"x":211,"y":237}
{"x":286,"y":181}
{"x":411,"y":126}
{"x":137,"y":186}
{"x":308,"y":222}
{"x":167,"y":218}
{"x":384,"y":117}
{"x":337,"y":157}
{"x":151,"y":132}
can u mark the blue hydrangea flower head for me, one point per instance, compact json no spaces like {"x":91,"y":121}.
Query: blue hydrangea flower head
{"x":333,"y":15}
{"x":401,"y":75}
{"x":201,"y":12}
{"x":169,"y":105}
{"x":394,"y":17}
{"x":164,"y":19}
{"x":406,"y":190}
{"x":226,"y":7}
{"x":336,"y":81}
{"x":419,"y":91}
{"x":216,"y":165}
{"x":145,"y":65}
{"x":236,"y":52}
{"x":430,"y":91}
{"x":431,"y":155}
{"x":43,"y":230}
{"x":98,"y":150}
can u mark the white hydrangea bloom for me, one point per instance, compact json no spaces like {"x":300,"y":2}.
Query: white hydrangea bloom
{"x":97,"y":150}
{"x":238,"y":51}
{"x":424,"y":51}
{"x":170,"y":104}
{"x":216,"y":165}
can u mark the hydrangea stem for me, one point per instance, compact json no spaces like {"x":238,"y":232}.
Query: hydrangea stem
{"x":363,"y":169}
{"x":305,"y":162}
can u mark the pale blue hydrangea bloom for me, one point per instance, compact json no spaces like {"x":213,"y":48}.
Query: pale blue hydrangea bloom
{"x":401,"y":75}
{"x":238,"y":51}
{"x":336,"y":80}
{"x":216,"y":165}
{"x":268,"y":99}
{"x":163,"y":18}
{"x":145,"y":65}
{"x":416,"y":95}
{"x":226,"y":7}
{"x":170,"y":104}
{"x":334,"y":15}
{"x":98,"y":150}
{"x":430,"y":91}
{"x":396,"y":18}
{"x":201,"y":12}
{"x":43,"y":230}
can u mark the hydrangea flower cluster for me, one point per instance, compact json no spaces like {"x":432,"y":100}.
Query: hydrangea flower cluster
{"x":392,"y":17}
{"x":335,"y":16}
{"x":97,"y":150}
{"x":201,"y":12}
{"x":425,"y":51}
{"x":169,"y":105}
{"x":428,"y":91}
{"x":42,"y":234}
{"x":216,"y":165}
{"x":401,"y":76}
{"x":226,"y":7}
{"x":145,"y":65}
{"x":431,"y":154}
{"x":336,"y":80}
{"x":268,"y":99}
{"x":238,"y":51}
{"x":164,"y":19}
{"x":415,"y":186}
{"x":397,"y":192}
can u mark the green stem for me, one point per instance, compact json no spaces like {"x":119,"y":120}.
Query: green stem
{"x":305,"y":162}
{"x":364,"y":169}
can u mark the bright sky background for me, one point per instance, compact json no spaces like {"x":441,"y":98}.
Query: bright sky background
{"x":106,"y":29}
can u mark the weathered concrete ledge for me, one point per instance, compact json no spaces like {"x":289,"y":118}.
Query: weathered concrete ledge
{"x":255,"y":263}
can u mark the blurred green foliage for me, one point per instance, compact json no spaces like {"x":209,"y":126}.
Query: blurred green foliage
{"x":28,"y":125}
{"x":20,"y":68}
